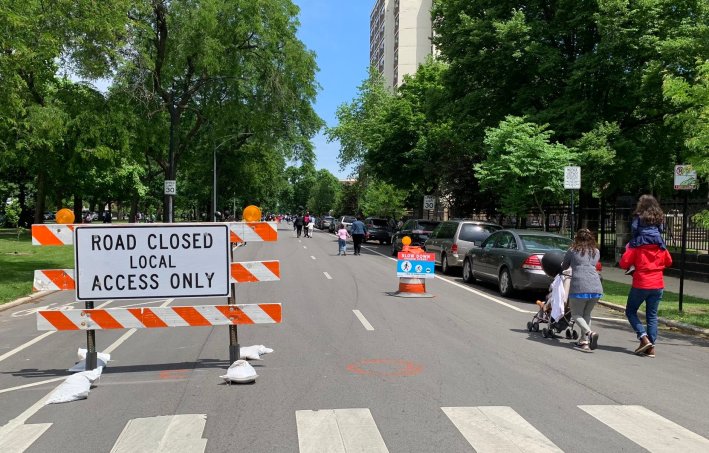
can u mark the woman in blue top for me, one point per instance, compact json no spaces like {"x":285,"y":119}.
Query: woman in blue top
{"x":586,"y":288}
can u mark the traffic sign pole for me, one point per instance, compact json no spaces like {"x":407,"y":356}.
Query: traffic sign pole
{"x":234,"y":350}
{"x":684,"y":250}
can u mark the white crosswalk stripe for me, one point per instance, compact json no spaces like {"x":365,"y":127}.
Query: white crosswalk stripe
{"x":170,"y":433}
{"x":20,"y":438}
{"x":497,"y":429}
{"x":648,"y":429}
{"x":338,"y":431}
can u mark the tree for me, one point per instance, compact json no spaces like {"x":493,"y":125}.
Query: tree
{"x":522,"y":166}
{"x":325,"y":193}
{"x":185,"y":59}
{"x":383,"y":200}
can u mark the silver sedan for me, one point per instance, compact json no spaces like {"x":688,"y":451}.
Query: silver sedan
{"x":513,"y":259}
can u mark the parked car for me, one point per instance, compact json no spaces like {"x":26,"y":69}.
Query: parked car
{"x":378,"y":230}
{"x":324,"y":222}
{"x":333,"y":226}
{"x":513,"y":259}
{"x":417,"y":229}
{"x":452,"y":239}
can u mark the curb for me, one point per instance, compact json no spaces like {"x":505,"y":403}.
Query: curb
{"x":24,"y":300}
{"x":687,"y":328}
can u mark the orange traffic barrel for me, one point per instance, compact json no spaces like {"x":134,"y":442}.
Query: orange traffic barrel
{"x":412,"y":287}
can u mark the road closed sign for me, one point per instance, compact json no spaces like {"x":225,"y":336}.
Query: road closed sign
{"x":152,"y":261}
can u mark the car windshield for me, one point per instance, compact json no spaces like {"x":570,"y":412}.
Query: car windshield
{"x":427,"y":226}
{"x":476,"y":233}
{"x":543,"y":243}
{"x":379,"y":222}
{"x":348,"y":219}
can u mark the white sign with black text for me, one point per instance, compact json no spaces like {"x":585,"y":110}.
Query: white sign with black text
{"x":572,"y":178}
{"x":152,"y":261}
{"x":170,"y":187}
{"x":429,"y":202}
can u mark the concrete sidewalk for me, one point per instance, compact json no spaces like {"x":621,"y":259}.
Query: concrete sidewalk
{"x":691,"y":287}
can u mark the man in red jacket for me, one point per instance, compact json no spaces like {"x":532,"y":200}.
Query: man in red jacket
{"x":648,"y":284}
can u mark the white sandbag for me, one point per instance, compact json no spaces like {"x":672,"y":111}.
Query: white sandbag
{"x":264,"y":350}
{"x":240,"y":372}
{"x":76,"y":387}
{"x":249,"y":353}
{"x":102,"y":360}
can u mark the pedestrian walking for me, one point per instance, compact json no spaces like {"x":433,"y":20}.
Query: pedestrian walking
{"x":649,"y":261}
{"x":298,"y":224}
{"x":358,"y":230}
{"x":311,"y":227}
{"x":586,"y":288}
{"x":342,"y":235}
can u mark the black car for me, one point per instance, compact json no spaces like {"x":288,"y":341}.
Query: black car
{"x":378,"y":230}
{"x":417,"y":229}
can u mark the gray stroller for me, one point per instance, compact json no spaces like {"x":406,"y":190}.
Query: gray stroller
{"x":554,"y":311}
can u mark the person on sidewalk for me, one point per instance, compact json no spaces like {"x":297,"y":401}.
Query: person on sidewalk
{"x":358,"y":230}
{"x":586,"y":288}
{"x":650,"y":261}
{"x":342,"y":235}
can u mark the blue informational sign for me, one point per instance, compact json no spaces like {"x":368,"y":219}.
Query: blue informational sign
{"x":415,"y":265}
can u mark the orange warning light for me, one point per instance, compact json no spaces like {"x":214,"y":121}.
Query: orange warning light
{"x":65,"y":216}
{"x":252,"y":214}
{"x":406,"y":240}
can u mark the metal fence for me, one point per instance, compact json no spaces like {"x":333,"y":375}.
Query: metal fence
{"x":612,"y":222}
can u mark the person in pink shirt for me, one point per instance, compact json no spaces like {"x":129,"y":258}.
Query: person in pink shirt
{"x":342,"y":235}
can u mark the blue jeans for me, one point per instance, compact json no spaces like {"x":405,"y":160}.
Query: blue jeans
{"x":343,"y":246}
{"x":652,"y":298}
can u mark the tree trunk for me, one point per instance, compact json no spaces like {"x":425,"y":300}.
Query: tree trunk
{"x":39,"y":198}
{"x":78,"y":209}
{"x":171,"y":171}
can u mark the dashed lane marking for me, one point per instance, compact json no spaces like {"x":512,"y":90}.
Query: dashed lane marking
{"x":363,"y":320}
{"x":327,"y":276}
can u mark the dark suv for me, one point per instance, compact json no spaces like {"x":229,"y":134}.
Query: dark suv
{"x":417,"y":229}
{"x":378,"y":230}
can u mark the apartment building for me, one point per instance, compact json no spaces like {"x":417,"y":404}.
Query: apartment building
{"x":400,"y":37}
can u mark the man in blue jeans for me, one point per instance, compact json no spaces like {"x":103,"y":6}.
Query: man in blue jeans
{"x":648,"y":284}
{"x":358,"y":230}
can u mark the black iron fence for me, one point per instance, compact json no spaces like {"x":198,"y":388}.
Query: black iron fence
{"x":612,"y":222}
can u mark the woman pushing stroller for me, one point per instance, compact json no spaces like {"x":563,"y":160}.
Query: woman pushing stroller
{"x":586,"y":288}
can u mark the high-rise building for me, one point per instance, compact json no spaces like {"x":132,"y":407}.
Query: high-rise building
{"x":399,"y":37}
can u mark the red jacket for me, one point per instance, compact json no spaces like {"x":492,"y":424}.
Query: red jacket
{"x":649,"y":262}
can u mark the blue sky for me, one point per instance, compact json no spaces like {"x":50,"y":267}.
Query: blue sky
{"x":338,"y":32}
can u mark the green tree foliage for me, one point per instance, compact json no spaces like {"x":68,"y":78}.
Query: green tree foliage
{"x":187,"y":61}
{"x":324,"y":193}
{"x":522,"y":166}
{"x":383,"y":200}
{"x":577,"y":66}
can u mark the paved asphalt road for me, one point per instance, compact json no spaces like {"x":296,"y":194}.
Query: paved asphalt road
{"x":354,"y":366}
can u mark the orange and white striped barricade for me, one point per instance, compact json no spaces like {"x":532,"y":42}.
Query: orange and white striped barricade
{"x":55,"y":234}
{"x":159,"y":317}
{"x":413,"y":267}
{"x":241,"y":272}
{"x":253,"y":232}
{"x":54,"y":280}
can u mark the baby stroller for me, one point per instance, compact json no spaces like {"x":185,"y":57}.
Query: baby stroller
{"x":555,"y":310}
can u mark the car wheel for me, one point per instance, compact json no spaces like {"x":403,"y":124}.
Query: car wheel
{"x":505,"y":283}
{"x":393,"y":250}
{"x":444,"y":264}
{"x":468,"y":271}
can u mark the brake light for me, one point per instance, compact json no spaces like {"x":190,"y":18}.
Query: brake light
{"x":532,"y":262}
{"x":599,"y":267}
{"x":454,"y":248}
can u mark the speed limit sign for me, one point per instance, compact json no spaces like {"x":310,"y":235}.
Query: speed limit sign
{"x":429,"y":202}
{"x":170,"y":187}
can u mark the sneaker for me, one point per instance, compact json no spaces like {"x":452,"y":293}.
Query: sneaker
{"x":644,"y":345}
{"x":593,"y":339}
{"x":650,"y":352}
{"x":583,"y":347}
{"x":630,"y":270}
